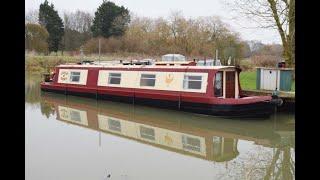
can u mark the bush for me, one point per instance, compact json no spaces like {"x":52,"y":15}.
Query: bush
{"x":246,"y":65}
{"x":109,"y":45}
{"x":36,"y":38}
{"x":265,"y":60}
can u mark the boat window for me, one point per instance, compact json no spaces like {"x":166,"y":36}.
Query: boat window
{"x":75,"y":116}
{"x":190,"y":143}
{"x":114,"y":78}
{"x":114,"y":125}
{"x":218,"y":84}
{"x":147,"y":80}
{"x":192,"y":82}
{"x":75,"y":76}
{"x":147,"y":133}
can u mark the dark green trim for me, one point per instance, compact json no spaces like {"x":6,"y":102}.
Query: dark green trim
{"x":258,"y":78}
{"x":285,"y":80}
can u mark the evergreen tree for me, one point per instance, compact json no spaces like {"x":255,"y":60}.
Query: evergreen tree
{"x":110,"y":20}
{"x":49,"y":18}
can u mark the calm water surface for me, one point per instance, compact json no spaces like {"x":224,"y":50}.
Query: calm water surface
{"x":78,"y":138}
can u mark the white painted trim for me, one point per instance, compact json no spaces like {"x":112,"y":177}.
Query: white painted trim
{"x":278,"y":81}
{"x":236,"y":93}
{"x":222,"y":146}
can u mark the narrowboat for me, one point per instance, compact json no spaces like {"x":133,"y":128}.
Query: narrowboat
{"x":210,"y":90}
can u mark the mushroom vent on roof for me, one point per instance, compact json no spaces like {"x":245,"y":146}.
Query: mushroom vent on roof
{"x":86,"y":62}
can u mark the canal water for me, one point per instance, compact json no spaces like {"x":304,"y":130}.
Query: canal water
{"x":79,"y":138}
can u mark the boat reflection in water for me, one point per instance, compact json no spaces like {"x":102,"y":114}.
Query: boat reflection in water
{"x":206,"y":137}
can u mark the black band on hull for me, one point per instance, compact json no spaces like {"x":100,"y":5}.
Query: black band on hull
{"x":253,"y":110}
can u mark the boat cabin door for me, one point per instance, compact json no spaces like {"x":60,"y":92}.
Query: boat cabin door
{"x":230,"y":84}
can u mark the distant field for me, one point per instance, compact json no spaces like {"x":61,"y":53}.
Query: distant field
{"x":248,"y":80}
{"x":38,"y":63}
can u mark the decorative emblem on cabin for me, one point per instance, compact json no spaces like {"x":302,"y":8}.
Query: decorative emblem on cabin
{"x":168,"y":139}
{"x":169,"y":79}
{"x":64,"y":76}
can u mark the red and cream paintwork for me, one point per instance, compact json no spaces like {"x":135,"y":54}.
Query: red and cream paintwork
{"x":168,"y":84}
{"x":187,"y":139}
{"x":130,"y":129}
{"x":162,"y":128}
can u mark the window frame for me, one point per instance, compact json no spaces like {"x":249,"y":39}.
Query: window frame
{"x":110,"y":76}
{"x":146,"y":135}
{"x":75,"y":116}
{"x":187,"y":144}
{"x":72,"y":76}
{"x":112,"y":126}
{"x":148,"y":78}
{"x":192,"y":80}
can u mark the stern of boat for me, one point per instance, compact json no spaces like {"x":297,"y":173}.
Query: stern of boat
{"x":250,"y":107}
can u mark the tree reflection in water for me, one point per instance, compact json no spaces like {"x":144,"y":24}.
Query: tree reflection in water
{"x":32,"y":89}
{"x":260,"y":163}
{"x":47,"y":109}
{"x":33,"y":95}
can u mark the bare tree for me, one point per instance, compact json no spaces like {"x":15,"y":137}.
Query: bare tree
{"x":36,"y":38}
{"x":278,"y":14}
{"x":77,"y":29}
{"x":79,"y":21}
{"x":174,"y":19}
{"x":197,"y":37}
{"x":31,"y":17}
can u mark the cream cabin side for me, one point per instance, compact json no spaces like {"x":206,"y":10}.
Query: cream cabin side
{"x":155,"y":135}
{"x":224,"y":83}
{"x":73,"y":76}
{"x":154,"y":80}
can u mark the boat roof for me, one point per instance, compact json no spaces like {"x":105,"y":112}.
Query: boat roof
{"x":142,"y":66}
{"x":173,"y":62}
{"x":173,"y":57}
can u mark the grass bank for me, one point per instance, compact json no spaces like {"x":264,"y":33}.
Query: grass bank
{"x":40,"y":64}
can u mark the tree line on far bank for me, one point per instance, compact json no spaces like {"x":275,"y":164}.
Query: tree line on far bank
{"x":75,"y":28}
{"x":120,"y":31}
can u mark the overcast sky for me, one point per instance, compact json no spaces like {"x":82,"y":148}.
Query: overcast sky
{"x":162,"y":8}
